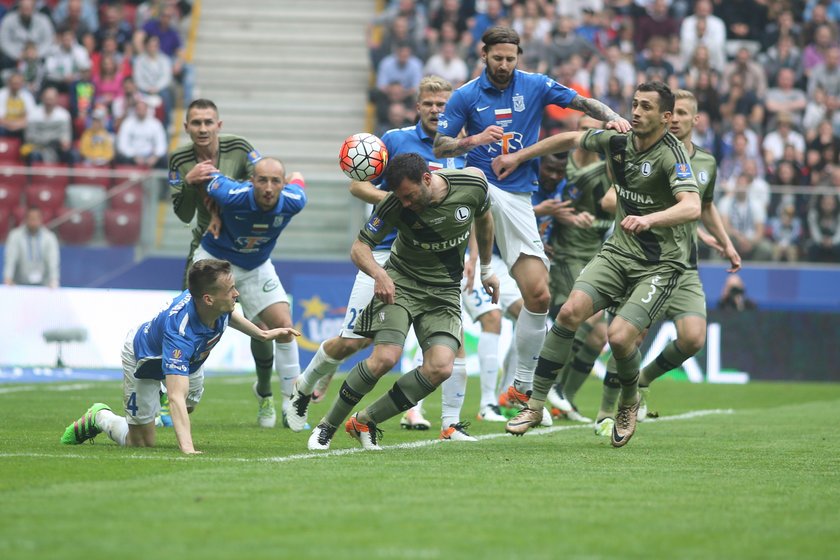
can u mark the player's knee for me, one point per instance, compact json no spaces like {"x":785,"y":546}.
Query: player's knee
{"x":437,"y":371}
{"x":622,"y":341}
{"x":692,"y":342}
{"x":381,"y":362}
{"x":571,"y":315}
{"x":491,"y":322}
{"x":538,"y":300}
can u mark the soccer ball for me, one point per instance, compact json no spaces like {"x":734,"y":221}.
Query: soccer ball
{"x":363,"y":157}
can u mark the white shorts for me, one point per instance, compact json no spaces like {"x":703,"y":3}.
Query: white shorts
{"x":258,"y":288}
{"x":141,"y":397}
{"x":360,"y":296}
{"x":515,"y":226}
{"x":477,"y":301}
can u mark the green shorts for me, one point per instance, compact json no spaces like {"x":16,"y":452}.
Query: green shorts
{"x":561,"y":279}
{"x":688,"y":298}
{"x":641,"y":291}
{"x":432,"y":310}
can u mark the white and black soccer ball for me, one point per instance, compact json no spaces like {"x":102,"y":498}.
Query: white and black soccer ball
{"x":363,"y":157}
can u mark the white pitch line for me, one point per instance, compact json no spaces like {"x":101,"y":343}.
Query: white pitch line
{"x":339,"y":452}
{"x":46,"y":387}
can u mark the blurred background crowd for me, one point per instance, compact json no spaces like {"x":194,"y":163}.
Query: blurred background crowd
{"x":766,"y":74}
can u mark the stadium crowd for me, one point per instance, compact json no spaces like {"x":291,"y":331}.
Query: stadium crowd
{"x":766,"y":74}
{"x":86,"y":84}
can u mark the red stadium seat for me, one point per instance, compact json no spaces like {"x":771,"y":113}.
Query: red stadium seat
{"x":5,"y":223}
{"x":94,"y":175}
{"x":45,"y":196}
{"x":134,"y":173}
{"x":129,"y":199}
{"x":10,"y":150}
{"x":14,"y":179}
{"x":122,"y":227}
{"x":51,"y":173}
{"x":10,"y":195}
{"x":78,"y":229}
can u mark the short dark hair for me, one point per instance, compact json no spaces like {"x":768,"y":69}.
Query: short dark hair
{"x":204,"y":274}
{"x":500,"y":35}
{"x":409,"y":166}
{"x":202,"y":104}
{"x":666,"y":96}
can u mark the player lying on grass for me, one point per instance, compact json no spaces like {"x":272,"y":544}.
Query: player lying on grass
{"x":172,"y":347}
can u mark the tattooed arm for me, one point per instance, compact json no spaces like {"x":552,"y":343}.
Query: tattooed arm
{"x":447,"y":146}
{"x":598,"y":110}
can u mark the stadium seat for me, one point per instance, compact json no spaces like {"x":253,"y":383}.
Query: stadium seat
{"x":135,"y":173}
{"x":78,"y":229}
{"x":122,"y":227}
{"x":128,"y":199}
{"x":5,"y":223}
{"x":94,"y":175}
{"x":88,"y":197}
{"x":45,"y":196}
{"x":9,"y":150}
{"x":15,"y":179}
{"x":10,"y":195}
{"x":51,"y":173}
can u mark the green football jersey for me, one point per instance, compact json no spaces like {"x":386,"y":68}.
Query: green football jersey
{"x":236,"y":160}
{"x":705,"y":170}
{"x":647,"y":182}
{"x":430,"y":246}
{"x":585,"y":187}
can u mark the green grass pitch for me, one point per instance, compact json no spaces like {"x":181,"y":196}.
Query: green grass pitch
{"x":756,"y":476}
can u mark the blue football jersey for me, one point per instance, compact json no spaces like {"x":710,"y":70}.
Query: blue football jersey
{"x":518,"y":109}
{"x":413,"y":139}
{"x":248,"y":233}
{"x":175,"y":342}
{"x":544,"y":223}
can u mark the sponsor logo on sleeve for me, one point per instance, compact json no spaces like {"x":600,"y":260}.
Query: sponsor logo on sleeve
{"x":683,"y":170}
{"x":177,"y":354}
{"x":254,"y":156}
{"x":174,"y":178}
{"x":374,"y":224}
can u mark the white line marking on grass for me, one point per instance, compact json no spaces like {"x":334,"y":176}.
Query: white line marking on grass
{"x":46,"y":387}
{"x":339,"y":452}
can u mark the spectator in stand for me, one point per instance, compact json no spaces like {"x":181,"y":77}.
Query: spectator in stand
{"x":824,"y":229}
{"x":82,"y":93}
{"x":654,"y":22}
{"x":563,"y":118}
{"x":732,"y":164}
{"x":704,"y":135}
{"x":708,"y":98}
{"x":153,"y":76}
{"x":824,"y":143}
{"x":448,"y":65}
{"x":775,"y":141}
{"x":493,"y":14}
{"x":752,"y":73}
{"x":163,"y":27}
{"x":96,"y":146}
{"x":740,"y":101}
{"x":615,"y":97}
{"x":49,"y":132}
{"x":537,"y":12}
{"x":114,"y":25}
{"x":16,"y":106}
{"x":744,"y":219}
{"x":830,"y":7}
{"x":788,"y":176}
{"x":398,"y":117}
{"x":108,"y":82}
{"x":785,"y":26}
{"x":592,"y":29}
{"x":535,"y":56}
{"x":739,"y":126}
{"x":565,"y":43}
{"x":745,"y":23}
{"x":699,"y":63}
{"x":786,"y":234}
{"x":652,"y":64}
{"x":815,"y":52}
{"x":826,"y":77}
{"x":403,"y":22}
{"x":811,"y":27}
{"x":124,"y":105}
{"x":734,"y":295}
{"x":32,"y":254}
{"x":704,"y":28}
{"x":613,"y":66}
{"x":31,"y":67}
{"x":110,"y":49}
{"x":20,"y":27}
{"x":141,"y":139}
{"x":402,"y":68}
{"x":784,"y":98}
{"x":453,"y":12}
{"x":65,"y":61}
{"x":80,"y":16}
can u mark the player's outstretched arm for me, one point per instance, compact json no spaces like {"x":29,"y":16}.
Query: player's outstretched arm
{"x":687,"y":209}
{"x":710,"y":217}
{"x":243,"y":325}
{"x":447,"y":146}
{"x":367,"y":191}
{"x":177,"y":387}
{"x":601,"y":112}
{"x":506,"y":164}
{"x":484,"y":237}
{"x":383,"y":287}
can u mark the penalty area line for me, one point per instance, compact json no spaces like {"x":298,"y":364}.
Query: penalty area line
{"x":128,"y":454}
